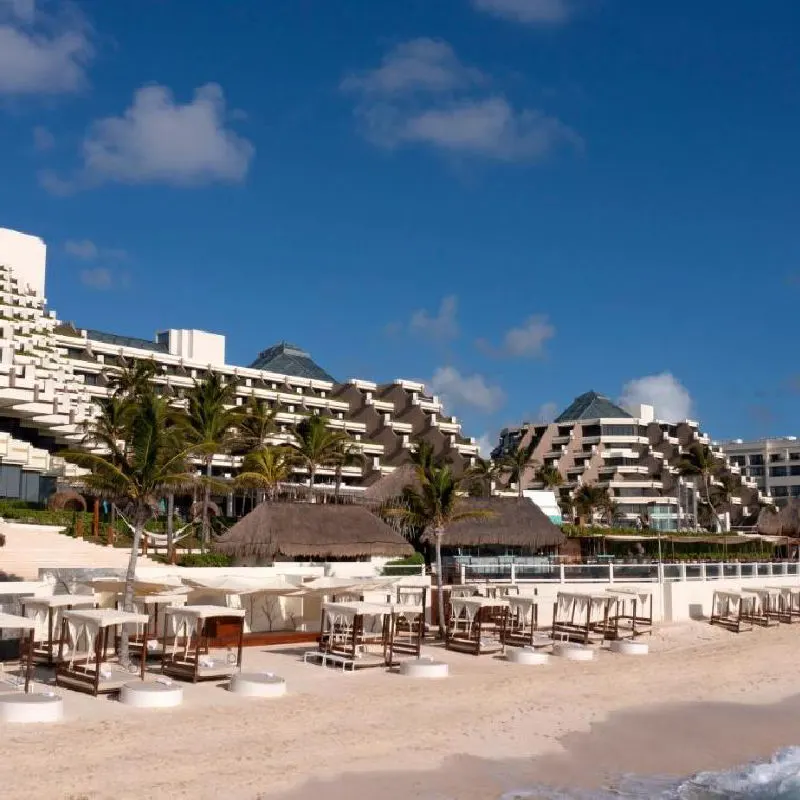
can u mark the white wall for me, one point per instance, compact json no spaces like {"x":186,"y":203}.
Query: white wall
{"x":202,"y":346}
{"x":26,"y":255}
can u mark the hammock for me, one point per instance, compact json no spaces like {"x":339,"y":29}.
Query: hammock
{"x":158,"y":539}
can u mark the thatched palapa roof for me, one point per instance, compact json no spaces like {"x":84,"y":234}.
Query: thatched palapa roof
{"x":785,"y":523}
{"x":391,"y":486}
{"x":514,"y":523}
{"x":312,"y":530}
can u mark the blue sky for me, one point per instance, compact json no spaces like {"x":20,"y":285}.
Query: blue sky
{"x":513,"y":200}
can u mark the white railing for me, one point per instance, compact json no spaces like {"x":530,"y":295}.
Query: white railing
{"x":626,"y":573}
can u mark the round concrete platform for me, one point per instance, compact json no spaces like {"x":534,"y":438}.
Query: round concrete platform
{"x":628,"y":648}
{"x":572,"y":651}
{"x":526,"y":655}
{"x":151,"y":695}
{"x":33,"y":707}
{"x":424,"y":668}
{"x":257,"y":684}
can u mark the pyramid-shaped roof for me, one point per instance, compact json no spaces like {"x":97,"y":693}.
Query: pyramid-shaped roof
{"x":289,"y":359}
{"x":591,"y":405}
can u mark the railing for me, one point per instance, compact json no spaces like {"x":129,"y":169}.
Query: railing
{"x":619,"y":572}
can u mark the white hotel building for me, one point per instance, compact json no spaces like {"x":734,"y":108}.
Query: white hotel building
{"x":51,"y":372}
{"x":774,"y":464}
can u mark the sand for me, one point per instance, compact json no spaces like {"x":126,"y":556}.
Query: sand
{"x":703,"y":699}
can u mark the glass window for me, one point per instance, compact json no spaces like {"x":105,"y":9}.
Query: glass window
{"x":795,"y":491}
{"x":794,"y":456}
{"x":780,"y":491}
{"x":738,"y":460}
{"x":619,"y":430}
{"x":775,"y":457}
{"x":756,"y":472}
{"x":794,"y":469}
{"x":757,"y":460}
{"x":777,"y":472}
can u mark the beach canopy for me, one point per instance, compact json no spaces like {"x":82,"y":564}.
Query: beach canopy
{"x":14,"y":622}
{"x":312,"y":530}
{"x":512,"y":522}
{"x":141,"y":586}
{"x":204,"y":612}
{"x":236,"y":584}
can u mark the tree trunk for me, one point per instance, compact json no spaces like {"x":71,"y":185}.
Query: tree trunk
{"x":438,"y":534}
{"x":170,"y":526}
{"x":519,"y":483}
{"x":312,"y":475}
{"x":338,"y":484}
{"x":127,"y":596}
{"x":206,"y":501}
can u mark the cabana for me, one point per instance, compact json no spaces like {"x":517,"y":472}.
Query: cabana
{"x":475,"y":625}
{"x":522,"y":623}
{"x":358,"y":634}
{"x":26,"y":627}
{"x":766,"y":609}
{"x":732,"y":610}
{"x":636,"y":619}
{"x":86,"y":669}
{"x":48,"y":613}
{"x":11,"y":592}
{"x":789,"y":602}
{"x":188,"y":656}
{"x":583,"y":617}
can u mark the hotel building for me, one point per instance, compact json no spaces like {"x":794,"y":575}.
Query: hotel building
{"x":632,"y":455}
{"x":774,"y":465}
{"x":52,"y":371}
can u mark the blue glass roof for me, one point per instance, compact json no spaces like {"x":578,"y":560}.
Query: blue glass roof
{"x":288,"y":359}
{"x":127,"y":341}
{"x":591,"y":405}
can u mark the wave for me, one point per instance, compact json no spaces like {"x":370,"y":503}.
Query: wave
{"x":776,"y":779}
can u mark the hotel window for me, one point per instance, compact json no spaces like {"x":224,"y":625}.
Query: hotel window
{"x":618,"y":430}
{"x":738,"y":460}
{"x":757,"y":460}
{"x":756,"y":472}
{"x":794,"y":456}
{"x":794,"y":469}
{"x":780,"y":491}
{"x":795,"y":490}
{"x":777,"y":472}
{"x":775,"y":457}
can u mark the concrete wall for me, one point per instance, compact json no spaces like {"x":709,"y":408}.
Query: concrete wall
{"x":202,"y":346}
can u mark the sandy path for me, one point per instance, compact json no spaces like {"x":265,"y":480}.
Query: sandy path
{"x":220,"y":746}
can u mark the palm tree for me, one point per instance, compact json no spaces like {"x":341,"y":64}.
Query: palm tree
{"x":433,"y":505}
{"x":107,"y":428}
{"x":315,"y":445}
{"x":256,"y":424}
{"x":209,"y":424}
{"x":516,"y":463}
{"x":346,"y":454}
{"x":589,"y":498}
{"x":699,"y":461}
{"x":133,"y":380}
{"x":423,"y":455}
{"x":152,"y":459}
{"x":549,"y":476}
{"x":482,"y":475}
{"x":265,"y":468}
{"x":609,"y":507}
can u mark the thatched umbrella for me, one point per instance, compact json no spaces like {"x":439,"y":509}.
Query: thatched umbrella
{"x":512,"y":523}
{"x":68,"y":499}
{"x":313,"y":531}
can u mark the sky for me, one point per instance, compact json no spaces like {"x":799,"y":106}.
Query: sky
{"x":514,"y":201}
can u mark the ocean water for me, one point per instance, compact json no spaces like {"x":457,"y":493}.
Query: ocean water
{"x":776,"y":779}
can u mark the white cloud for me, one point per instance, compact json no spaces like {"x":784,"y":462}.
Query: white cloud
{"x":420,"y":64}
{"x":159,"y":140}
{"x":669,"y":397}
{"x":486,"y":443}
{"x":547,"y":412}
{"x":441,"y":326}
{"x":99,"y":278}
{"x":457,"y":390}
{"x":526,"y":341}
{"x":43,"y":139}
{"x":83,"y":248}
{"x":422,"y":94}
{"x":531,"y":12}
{"x":40,"y":54}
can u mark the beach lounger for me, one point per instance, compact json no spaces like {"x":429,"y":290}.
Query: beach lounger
{"x":732,"y":610}
{"x":476,"y":625}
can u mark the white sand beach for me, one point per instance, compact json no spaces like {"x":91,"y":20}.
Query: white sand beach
{"x":702,"y":699}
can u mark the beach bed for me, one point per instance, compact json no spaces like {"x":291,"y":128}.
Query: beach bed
{"x":732,"y":610}
{"x":187,"y":630}
{"x":47,"y":613}
{"x":25,"y":626}
{"x":358,"y":633}
{"x":766,"y":608}
{"x":789,"y":603}
{"x":153,"y":605}
{"x":476,"y":625}
{"x":521,"y":627}
{"x":633,"y":615}
{"x":584,"y":618}
{"x":90,"y":634}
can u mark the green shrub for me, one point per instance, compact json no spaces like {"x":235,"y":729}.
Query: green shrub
{"x":404,"y":566}
{"x":205,"y":560}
